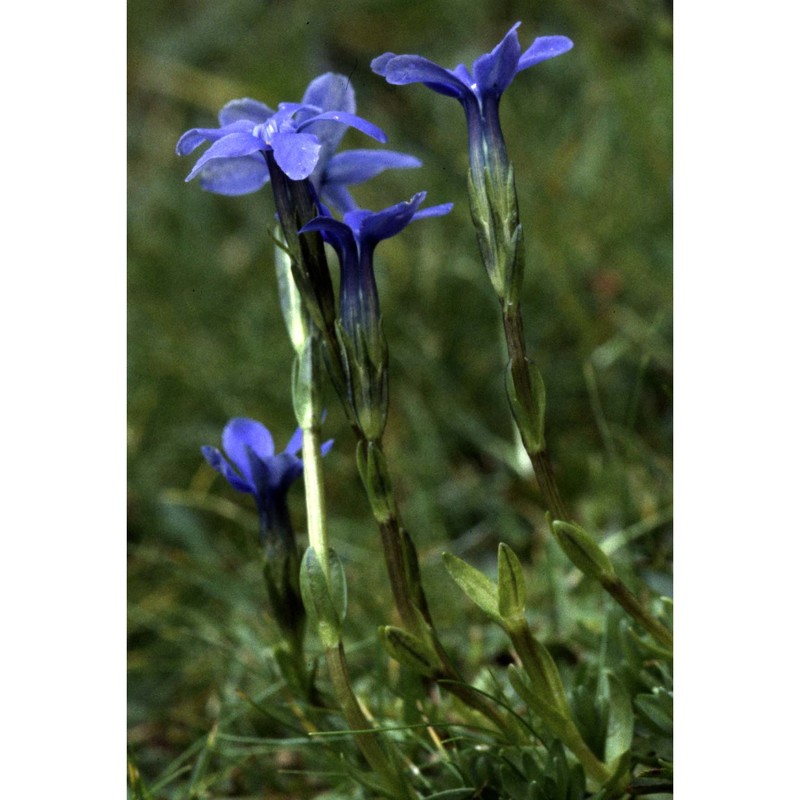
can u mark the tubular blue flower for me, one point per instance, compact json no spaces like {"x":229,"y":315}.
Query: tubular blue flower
{"x":360,"y":330}
{"x":492,"y":190}
{"x":354,"y":241}
{"x":252,"y":466}
{"x":303,"y":137}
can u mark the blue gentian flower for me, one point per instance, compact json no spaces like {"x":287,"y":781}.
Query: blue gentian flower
{"x":360,"y":330}
{"x":354,"y":241}
{"x":492,"y":189}
{"x":478,"y":90}
{"x":252,"y":466}
{"x":303,"y":137}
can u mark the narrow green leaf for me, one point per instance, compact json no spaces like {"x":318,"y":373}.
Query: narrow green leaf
{"x":656,"y":709}
{"x":619,"y":733}
{"x":338,"y":585}
{"x":550,"y":715}
{"x":317,"y":599}
{"x":474,"y":584}
{"x":408,"y":650}
{"x":510,"y":583}
{"x":294,"y":314}
{"x":528,"y":413}
{"x":582,"y":550}
{"x":464,"y":793}
{"x":305,"y":391}
{"x":540,"y":668}
{"x":377,"y":483}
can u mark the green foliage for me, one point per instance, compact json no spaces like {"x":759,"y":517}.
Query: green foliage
{"x":210,"y":714}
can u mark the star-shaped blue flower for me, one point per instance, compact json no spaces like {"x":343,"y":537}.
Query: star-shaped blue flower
{"x":490,"y":76}
{"x":303,"y":137}
{"x":479,"y":89}
{"x":252,"y":466}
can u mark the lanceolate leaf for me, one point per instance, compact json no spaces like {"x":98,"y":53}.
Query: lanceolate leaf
{"x":510,"y":583}
{"x":474,"y":584}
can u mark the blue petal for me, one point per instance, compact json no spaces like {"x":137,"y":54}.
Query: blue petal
{"x":494,"y":71}
{"x":375,"y":227}
{"x":234,"y":145}
{"x":235,"y":176}
{"x":339,"y":235}
{"x":378,"y":65}
{"x":296,"y":153}
{"x":402,"y":70}
{"x":295,"y":443}
{"x":544,"y":47}
{"x":275,"y":475}
{"x":331,"y":92}
{"x":356,"y":166}
{"x":326,"y":447}
{"x":286,"y":469}
{"x":244,"y":109}
{"x":345,"y":119}
{"x":242,"y":435}
{"x":434,"y":211}
{"x":193,"y":138}
{"x":334,"y":194}
{"x":217,"y":461}
{"x":464,"y":75}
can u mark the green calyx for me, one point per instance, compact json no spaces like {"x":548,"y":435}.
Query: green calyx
{"x":364,"y":359}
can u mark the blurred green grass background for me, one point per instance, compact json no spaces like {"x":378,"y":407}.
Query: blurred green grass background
{"x":590,"y":135}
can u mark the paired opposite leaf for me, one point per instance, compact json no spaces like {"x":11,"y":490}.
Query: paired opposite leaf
{"x":294,"y":314}
{"x":528,"y":411}
{"x":408,"y":650}
{"x":374,"y":474}
{"x":325,"y":601}
{"x":619,"y":733}
{"x":510,"y":583}
{"x":582,"y":550}
{"x":475,"y":585}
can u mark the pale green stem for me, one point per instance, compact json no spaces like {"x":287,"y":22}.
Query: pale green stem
{"x":371,"y":744}
{"x":315,"y":497}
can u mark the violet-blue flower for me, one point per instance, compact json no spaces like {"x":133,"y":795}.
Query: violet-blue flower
{"x":354,"y":241}
{"x":492,"y":189}
{"x":478,"y":90}
{"x":303,"y":137}
{"x":251,"y":465}
{"x":360,"y":329}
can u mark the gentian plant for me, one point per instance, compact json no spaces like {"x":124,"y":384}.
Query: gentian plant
{"x":535,"y":734}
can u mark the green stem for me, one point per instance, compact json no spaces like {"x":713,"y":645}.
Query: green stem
{"x":623,"y":595}
{"x":551,"y":698}
{"x":368,"y":743}
{"x":595,"y":768}
{"x":346,"y":699}
{"x":412,"y":605}
{"x":520,"y":375}
{"x":392,"y":545}
{"x":315,"y":497}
